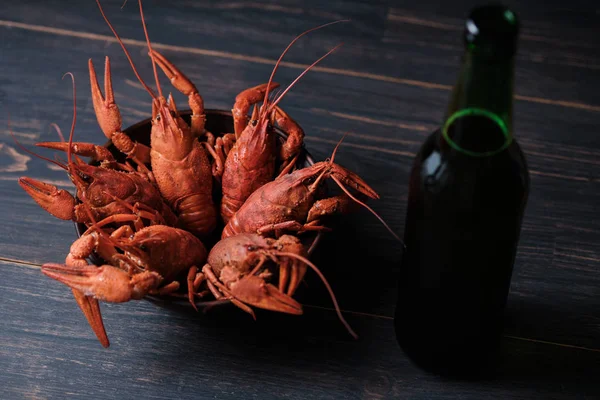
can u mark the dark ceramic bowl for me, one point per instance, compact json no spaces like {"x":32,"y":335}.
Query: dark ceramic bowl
{"x":218,"y":122}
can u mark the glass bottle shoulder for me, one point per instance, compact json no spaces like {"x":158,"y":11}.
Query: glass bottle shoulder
{"x":438,"y":167}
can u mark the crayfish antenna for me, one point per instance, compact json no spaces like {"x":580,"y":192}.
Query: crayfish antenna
{"x":25,"y":149}
{"x":150,"y":50}
{"x":150,"y":91}
{"x":291,"y":85}
{"x":317,"y":181}
{"x":69,"y":149}
{"x":71,"y":166}
{"x":341,"y":185}
{"x":329,"y":289}
{"x":337,"y":146}
{"x":288,"y":48}
{"x":58,"y":131}
{"x":75,"y":176}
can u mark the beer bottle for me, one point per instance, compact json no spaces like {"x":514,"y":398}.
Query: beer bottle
{"x":468,"y":189}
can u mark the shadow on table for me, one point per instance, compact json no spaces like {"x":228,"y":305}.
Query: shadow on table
{"x":556,"y":362}
{"x":363,"y":273}
{"x":545,"y":365}
{"x":362,"y":270}
{"x":567,"y":350}
{"x":303,"y":356}
{"x":297,"y":348}
{"x":574,"y":323}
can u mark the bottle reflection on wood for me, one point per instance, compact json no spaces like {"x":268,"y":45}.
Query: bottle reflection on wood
{"x":467,"y":193}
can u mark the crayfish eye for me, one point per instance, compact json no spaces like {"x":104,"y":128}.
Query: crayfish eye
{"x":144,"y":247}
{"x":84,"y":177}
{"x":254,"y":122}
{"x":158,"y":118}
{"x":251,"y":248}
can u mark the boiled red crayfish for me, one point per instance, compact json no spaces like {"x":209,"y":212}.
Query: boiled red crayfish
{"x":241,"y":267}
{"x":146,"y":216}
{"x":180,"y":163}
{"x":150,"y":261}
{"x":252,"y":160}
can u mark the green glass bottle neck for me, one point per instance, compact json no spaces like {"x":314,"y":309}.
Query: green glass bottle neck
{"x":484,"y":89}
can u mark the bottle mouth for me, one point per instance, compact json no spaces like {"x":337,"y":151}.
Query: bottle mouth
{"x":476,"y":132}
{"x":492,"y":31}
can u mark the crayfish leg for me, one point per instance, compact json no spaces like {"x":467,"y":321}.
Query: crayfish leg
{"x":191,"y":280}
{"x":228,"y":142}
{"x":292,"y":145}
{"x":288,"y":166}
{"x":244,"y":101}
{"x":219,"y":290}
{"x":210,"y":138}
{"x":185,"y":86}
{"x":216,"y":152}
{"x":285,"y":271}
{"x":168,"y":289}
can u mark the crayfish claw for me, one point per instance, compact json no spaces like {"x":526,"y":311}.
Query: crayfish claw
{"x":353,"y":181}
{"x":91,"y":310}
{"x":185,"y":86}
{"x":178,"y":79}
{"x":98,"y":153}
{"x":57,"y":202}
{"x":105,"y":283}
{"x":107,"y":112}
{"x":256,"y":292}
{"x":242,"y":104}
{"x":337,"y":205}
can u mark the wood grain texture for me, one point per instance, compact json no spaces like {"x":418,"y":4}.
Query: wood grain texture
{"x":387,"y":88}
{"x":412,"y":45}
{"x":172,"y":352}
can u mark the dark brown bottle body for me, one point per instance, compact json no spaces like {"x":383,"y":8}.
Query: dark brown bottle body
{"x":462,"y":229}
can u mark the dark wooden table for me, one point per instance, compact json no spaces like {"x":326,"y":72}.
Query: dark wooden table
{"x":387,"y":87}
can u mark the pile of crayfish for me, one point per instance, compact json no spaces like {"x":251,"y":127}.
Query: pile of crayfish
{"x":150,"y":217}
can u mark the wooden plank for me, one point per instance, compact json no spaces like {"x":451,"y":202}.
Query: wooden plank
{"x":415,"y":47}
{"x":332,"y":106}
{"x":47,"y":351}
{"x":380,"y":148}
{"x":387,"y":88}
